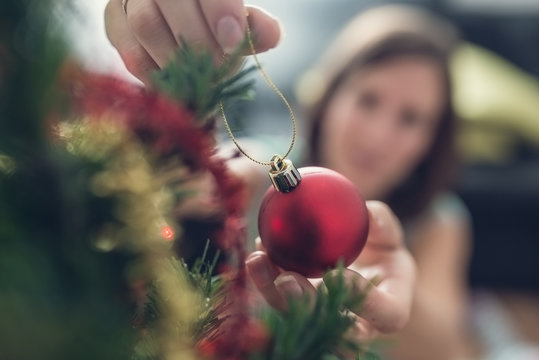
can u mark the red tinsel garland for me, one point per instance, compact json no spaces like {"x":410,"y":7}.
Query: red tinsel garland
{"x":168,"y":128}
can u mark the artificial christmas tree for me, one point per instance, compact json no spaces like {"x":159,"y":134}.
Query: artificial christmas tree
{"x":91,"y":170}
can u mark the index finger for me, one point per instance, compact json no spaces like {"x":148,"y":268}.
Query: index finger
{"x":385,"y":230}
{"x":385,"y":235}
{"x":388,"y":300}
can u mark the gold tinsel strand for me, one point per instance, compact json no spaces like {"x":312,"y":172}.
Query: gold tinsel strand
{"x":142,"y":205}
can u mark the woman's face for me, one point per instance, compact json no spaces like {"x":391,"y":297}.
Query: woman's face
{"x":381,"y":121}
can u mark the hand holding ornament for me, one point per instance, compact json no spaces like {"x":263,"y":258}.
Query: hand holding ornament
{"x":384,"y":258}
{"x":315,"y":222}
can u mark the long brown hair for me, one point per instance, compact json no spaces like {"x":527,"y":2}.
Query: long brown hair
{"x":403,"y":31}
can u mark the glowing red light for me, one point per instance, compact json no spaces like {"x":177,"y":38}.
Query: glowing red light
{"x":168,"y":233}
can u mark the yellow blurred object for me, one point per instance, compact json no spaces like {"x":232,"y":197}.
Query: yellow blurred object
{"x":497,"y":102}
{"x":142,"y":205}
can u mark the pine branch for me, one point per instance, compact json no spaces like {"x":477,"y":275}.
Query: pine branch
{"x":193,"y":78}
{"x":315,"y":332}
{"x":211,"y":288}
{"x":199,"y":275}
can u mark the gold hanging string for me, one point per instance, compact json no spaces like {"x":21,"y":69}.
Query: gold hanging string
{"x":273,"y":87}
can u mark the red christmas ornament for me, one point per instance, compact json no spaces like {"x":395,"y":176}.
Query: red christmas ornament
{"x":308,"y":222}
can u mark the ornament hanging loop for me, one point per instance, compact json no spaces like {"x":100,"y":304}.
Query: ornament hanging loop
{"x":277,"y":163}
{"x":283,"y":174}
{"x":276,"y":90}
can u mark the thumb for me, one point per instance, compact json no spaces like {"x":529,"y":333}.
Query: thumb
{"x":385,"y":230}
{"x":227,"y":21}
{"x":266,"y":29}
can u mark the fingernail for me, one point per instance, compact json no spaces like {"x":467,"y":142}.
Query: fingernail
{"x":282,"y":31}
{"x":229,"y":34}
{"x":288,"y":286}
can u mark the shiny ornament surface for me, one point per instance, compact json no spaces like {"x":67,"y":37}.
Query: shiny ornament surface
{"x":309,"y":229}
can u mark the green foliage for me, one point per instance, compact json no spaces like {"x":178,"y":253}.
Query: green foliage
{"x":59,"y":297}
{"x":211,"y":287}
{"x":57,"y":292}
{"x":201,"y":273}
{"x":200,"y":276}
{"x":313,"y":329}
{"x":30,"y":57}
{"x":193,"y":78}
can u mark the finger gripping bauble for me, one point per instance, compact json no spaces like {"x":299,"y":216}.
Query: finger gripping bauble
{"x":321,"y":221}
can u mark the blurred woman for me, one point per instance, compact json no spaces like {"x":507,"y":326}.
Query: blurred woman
{"x":381,"y":114}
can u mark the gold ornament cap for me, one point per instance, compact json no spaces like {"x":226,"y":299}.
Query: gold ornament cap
{"x":283,"y":174}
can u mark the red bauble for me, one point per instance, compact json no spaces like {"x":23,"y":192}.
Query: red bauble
{"x":322,"y":220}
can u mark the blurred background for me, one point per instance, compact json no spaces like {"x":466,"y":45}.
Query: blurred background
{"x":497,"y":99}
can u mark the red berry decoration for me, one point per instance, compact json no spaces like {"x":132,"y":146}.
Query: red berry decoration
{"x":308,"y":223}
